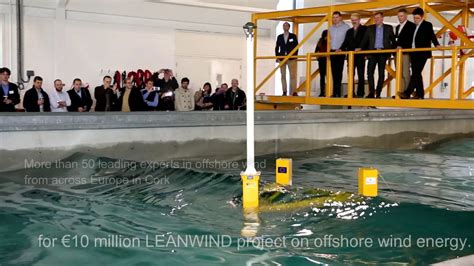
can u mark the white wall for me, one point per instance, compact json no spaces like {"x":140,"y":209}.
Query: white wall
{"x":39,"y":47}
{"x":93,"y":50}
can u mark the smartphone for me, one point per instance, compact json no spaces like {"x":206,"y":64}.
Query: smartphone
{"x":168,"y":94}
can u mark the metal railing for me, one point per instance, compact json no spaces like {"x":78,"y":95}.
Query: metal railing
{"x":319,"y":16}
{"x":457,"y":93}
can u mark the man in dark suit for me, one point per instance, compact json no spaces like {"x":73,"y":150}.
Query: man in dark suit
{"x":235,"y":97}
{"x":106,"y":96}
{"x":423,"y":37}
{"x":352,"y":41}
{"x":378,"y":37}
{"x":36,"y":99}
{"x":81,"y":100}
{"x":286,"y":43}
{"x":404,"y":37}
{"x":9,"y":95}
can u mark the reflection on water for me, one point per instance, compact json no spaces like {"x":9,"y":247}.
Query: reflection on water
{"x":423,"y":193}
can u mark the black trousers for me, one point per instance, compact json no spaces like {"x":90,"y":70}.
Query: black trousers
{"x":322,"y":63}
{"x":359,"y":68}
{"x":416,"y":82}
{"x":379,"y":61}
{"x":337,"y":66}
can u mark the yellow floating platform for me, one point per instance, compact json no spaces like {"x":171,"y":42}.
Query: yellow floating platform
{"x":311,"y":198}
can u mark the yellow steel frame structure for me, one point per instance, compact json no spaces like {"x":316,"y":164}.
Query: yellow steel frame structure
{"x":321,"y":15}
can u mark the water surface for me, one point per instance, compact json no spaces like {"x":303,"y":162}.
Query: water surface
{"x":423,"y":194}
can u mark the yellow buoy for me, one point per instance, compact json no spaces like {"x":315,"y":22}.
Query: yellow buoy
{"x":368,"y":182}
{"x":284,"y":172}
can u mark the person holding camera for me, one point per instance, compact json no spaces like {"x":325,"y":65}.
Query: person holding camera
{"x":106,"y":96}
{"x":218,"y":98}
{"x":167,"y":84}
{"x":204,"y":99}
{"x":150,"y":96}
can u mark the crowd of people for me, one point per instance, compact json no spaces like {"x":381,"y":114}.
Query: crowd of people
{"x":379,"y":36}
{"x":159,"y":93}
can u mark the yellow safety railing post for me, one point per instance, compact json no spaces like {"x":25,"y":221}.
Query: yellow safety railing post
{"x":391,"y":75}
{"x":461,"y":81}
{"x":453,"y":72}
{"x":398,"y":80}
{"x":389,"y":80}
{"x":328,"y":77}
{"x":296,"y":31}
{"x":465,"y":22}
{"x":432,"y":69}
{"x":308,"y":75}
{"x":350,"y":86}
{"x":427,"y":13}
{"x":296,"y":28}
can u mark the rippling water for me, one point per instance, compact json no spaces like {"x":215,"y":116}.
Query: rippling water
{"x":423,"y":194}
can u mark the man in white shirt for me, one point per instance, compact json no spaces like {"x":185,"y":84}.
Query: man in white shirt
{"x":337,"y":34}
{"x":184,"y":97}
{"x":59,"y":99}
